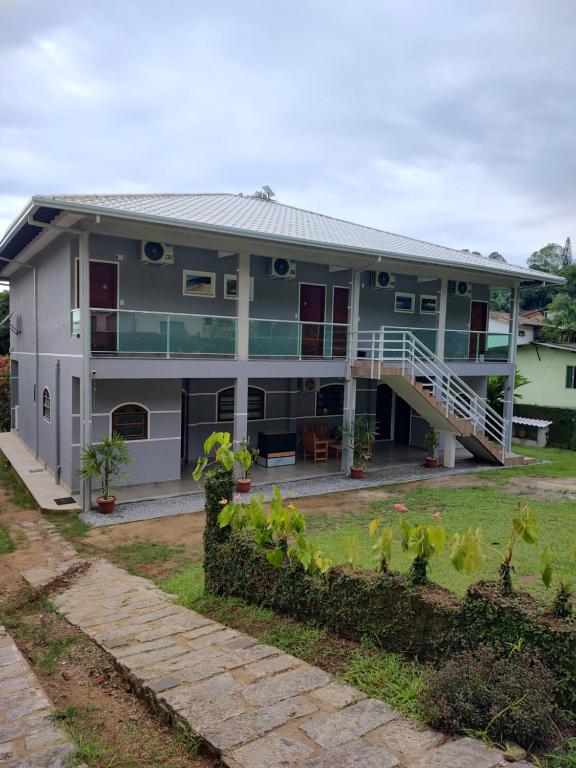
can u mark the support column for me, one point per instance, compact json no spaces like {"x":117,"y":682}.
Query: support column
{"x":86,"y":388}
{"x":508,"y":405}
{"x":243,"y":306}
{"x":240,"y":410}
{"x":442,"y":309}
{"x":349,"y":414}
{"x":449,"y":457}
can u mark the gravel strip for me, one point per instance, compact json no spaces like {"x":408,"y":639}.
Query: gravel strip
{"x":182,"y":505}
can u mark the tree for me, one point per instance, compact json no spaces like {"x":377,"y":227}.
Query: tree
{"x":561,"y":319}
{"x":551,"y":258}
{"x":496,"y":256}
{"x":5,"y":328}
{"x":4,"y":394}
{"x":497,"y":389}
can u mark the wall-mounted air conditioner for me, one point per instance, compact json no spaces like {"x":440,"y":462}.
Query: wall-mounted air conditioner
{"x":157,"y":253}
{"x":282,"y":269}
{"x":382,"y":280}
{"x":460,"y":288}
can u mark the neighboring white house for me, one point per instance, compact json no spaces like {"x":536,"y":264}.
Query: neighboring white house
{"x":528,"y":324}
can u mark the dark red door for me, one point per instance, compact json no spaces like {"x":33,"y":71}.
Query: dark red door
{"x":478,"y":326}
{"x":312,"y":305}
{"x":104,"y":296}
{"x":340,"y":315}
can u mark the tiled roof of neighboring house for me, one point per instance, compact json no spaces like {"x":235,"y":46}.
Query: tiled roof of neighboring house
{"x":533,"y":317}
{"x":530,"y":422}
{"x":251,"y":216}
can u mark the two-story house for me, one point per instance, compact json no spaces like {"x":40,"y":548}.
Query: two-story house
{"x":165,"y":317}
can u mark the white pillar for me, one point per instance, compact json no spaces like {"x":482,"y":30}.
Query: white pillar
{"x":348,"y":415}
{"x":442,"y":310}
{"x":86,"y":388}
{"x":243,"y":306}
{"x":508,"y":405}
{"x":240,"y":410}
{"x":354,"y":314}
{"x":449,"y":455}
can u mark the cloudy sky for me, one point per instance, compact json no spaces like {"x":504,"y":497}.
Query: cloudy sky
{"x":452,"y":121}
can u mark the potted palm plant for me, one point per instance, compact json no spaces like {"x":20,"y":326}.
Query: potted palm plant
{"x":358,"y":436}
{"x":105,"y":462}
{"x":431,"y":441}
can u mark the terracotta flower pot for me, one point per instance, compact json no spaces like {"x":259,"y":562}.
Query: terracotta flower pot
{"x":106,"y":506}
{"x":431,"y":462}
{"x":243,"y":486}
{"x":357,"y":473}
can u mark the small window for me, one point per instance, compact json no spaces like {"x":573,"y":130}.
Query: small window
{"x":130,"y":422}
{"x":255,"y":404}
{"x":521,"y":332}
{"x":428,"y":305}
{"x":570,"y":377}
{"x":46,"y":403}
{"x":404,"y":302}
{"x":231,"y":287}
{"x":330,"y":400}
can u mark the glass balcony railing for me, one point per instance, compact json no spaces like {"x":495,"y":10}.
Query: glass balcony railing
{"x":477,"y":346}
{"x":298,"y":340}
{"x":158,"y":334}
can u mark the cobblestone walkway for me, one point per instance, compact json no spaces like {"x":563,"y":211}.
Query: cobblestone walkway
{"x":253,"y":705}
{"x":28,"y":737}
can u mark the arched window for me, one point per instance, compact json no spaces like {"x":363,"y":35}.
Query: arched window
{"x":226,"y":404}
{"x":46,"y":403}
{"x":130,"y":422}
{"x":330,"y":400}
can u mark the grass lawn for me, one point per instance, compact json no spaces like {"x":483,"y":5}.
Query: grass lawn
{"x":485,"y":504}
{"x":6,"y":544}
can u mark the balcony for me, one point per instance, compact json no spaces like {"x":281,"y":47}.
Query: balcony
{"x":129,"y":333}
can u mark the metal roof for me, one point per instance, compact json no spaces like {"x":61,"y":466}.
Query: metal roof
{"x":530,"y":422}
{"x":250,"y":216}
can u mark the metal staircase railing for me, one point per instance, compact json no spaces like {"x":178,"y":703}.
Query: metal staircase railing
{"x":388,"y":348}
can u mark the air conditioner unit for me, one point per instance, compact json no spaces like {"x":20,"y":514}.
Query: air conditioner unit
{"x":282,"y":269}
{"x":157,"y":253}
{"x":382,"y":280}
{"x":460,"y":288}
{"x":310,"y":385}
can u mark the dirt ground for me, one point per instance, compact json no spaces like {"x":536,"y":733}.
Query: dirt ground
{"x":112,"y":727}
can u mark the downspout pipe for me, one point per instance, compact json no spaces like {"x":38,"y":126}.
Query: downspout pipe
{"x":57,"y":462}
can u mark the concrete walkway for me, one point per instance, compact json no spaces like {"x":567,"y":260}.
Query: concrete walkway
{"x":28,"y":736}
{"x":49,"y":496}
{"x":253,"y":705}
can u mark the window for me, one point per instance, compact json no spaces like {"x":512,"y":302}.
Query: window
{"x":570,"y":377}
{"x":404,"y":302}
{"x":130,"y":422}
{"x":46,"y":403}
{"x":196,"y":283}
{"x":330,"y":400}
{"x":428,"y":305}
{"x":226,"y":404}
{"x":231,"y":287}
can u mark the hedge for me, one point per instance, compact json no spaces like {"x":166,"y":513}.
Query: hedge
{"x":425,"y":621}
{"x":563,"y":428}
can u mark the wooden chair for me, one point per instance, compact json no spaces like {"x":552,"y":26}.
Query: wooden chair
{"x":314,"y":446}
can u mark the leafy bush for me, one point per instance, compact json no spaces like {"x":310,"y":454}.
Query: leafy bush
{"x":488,"y":693}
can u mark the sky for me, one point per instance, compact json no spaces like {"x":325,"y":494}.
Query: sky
{"x":450,"y":121}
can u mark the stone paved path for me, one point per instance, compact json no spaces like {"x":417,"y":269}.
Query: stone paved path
{"x":252,"y":704}
{"x":28,"y":737}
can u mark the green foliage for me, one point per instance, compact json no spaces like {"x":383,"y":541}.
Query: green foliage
{"x":17,"y":491}
{"x":47,"y":659}
{"x":524,"y":529}
{"x":298,"y":639}
{"x":493,"y":694}
{"x":104,"y":462}
{"x":382,"y":547}
{"x":563,"y":428}
{"x":563,"y":757}
{"x":280,"y":532}
{"x":466,"y":553}
{"x":564,"y":585}
{"x":4,"y":391}
{"x":358,"y":436}
{"x":6,"y":543}
{"x":496,"y":391}
{"x":432,"y":441}
{"x":387,"y":676}
{"x":5,"y":327}
{"x":225,"y":456}
{"x":423,"y":541}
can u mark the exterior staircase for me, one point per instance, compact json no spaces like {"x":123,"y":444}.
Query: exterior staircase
{"x":400,"y":360}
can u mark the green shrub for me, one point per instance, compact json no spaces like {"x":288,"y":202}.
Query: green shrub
{"x":484,"y":692}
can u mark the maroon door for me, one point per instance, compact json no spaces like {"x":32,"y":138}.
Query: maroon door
{"x":104,"y":296}
{"x":339,"y":315}
{"x":478,"y":323}
{"x":312,"y":304}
